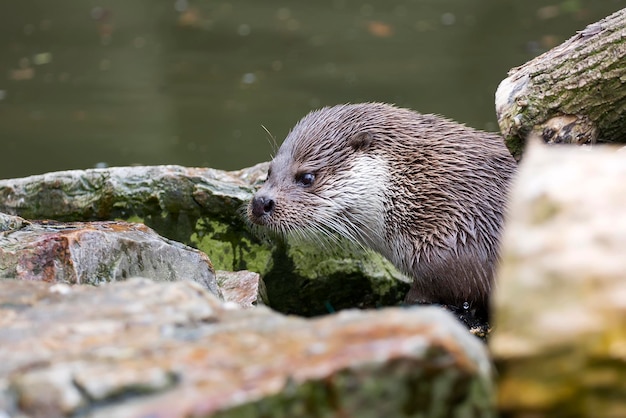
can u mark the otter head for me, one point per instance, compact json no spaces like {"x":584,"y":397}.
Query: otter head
{"x":326,"y":179}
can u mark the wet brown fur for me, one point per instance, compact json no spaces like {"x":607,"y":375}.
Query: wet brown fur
{"x":426,"y":192}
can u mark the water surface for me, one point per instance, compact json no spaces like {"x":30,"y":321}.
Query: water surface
{"x":195,"y":82}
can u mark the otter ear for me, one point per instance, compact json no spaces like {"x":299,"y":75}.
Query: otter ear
{"x":361,"y":141}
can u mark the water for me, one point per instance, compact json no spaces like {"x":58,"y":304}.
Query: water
{"x":118,"y":82}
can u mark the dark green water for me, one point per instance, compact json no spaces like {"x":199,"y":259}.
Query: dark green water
{"x":194,"y":82}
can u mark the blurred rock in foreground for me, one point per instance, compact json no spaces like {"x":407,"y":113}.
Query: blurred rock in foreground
{"x":142,"y":348}
{"x":560,"y":306}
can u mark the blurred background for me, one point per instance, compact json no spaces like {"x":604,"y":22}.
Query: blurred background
{"x":87,"y":83}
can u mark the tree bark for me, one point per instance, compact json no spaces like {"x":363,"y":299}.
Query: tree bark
{"x":573,"y":93}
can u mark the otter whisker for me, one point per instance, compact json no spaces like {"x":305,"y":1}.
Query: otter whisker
{"x":272,"y":140}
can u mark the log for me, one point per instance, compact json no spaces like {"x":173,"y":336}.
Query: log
{"x":573,"y":93}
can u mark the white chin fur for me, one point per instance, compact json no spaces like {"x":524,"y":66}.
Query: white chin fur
{"x":358,"y":203}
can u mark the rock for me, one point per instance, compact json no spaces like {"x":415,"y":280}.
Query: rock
{"x":560,"y":306}
{"x":244,"y":288}
{"x":170,"y":349}
{"x":96,"y":252}
{"x":203,"y":208}
{"x":200,"y":207}
{"x":121,"y":192}
{"x":11,"y":223}
{"x":307,"y":280}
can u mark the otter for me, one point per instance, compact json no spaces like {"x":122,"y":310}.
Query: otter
{"x":427,"y":193}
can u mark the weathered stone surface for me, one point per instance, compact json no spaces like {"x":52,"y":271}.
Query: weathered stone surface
{"x":96,"y":252}
{"x":120,"y":192}
{"x":196,"y":206}
{"x":244,"y":288}
{"x":560,"y":305}
{"x":9,"y":222}
{"x":141,"y":348}
{"x":204,"y":208}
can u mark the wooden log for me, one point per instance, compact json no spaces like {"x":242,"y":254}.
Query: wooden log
{"x":573,"y":93}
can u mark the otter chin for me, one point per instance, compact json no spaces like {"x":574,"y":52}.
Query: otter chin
{"x":427,"y":193}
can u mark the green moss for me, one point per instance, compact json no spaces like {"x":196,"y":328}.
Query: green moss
{"x":515,"y":144}
{"x":301,"y":278}
{"x":400,"y":388}
{"x":306,"y":280}
{"x":229,"y":247}
{"x":313,"y":261}
{"x":134,"y":219}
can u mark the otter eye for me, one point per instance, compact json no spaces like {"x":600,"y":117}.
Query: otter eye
{"x":305,"y":179}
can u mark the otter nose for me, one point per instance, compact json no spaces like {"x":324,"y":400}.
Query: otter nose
{"x":262,"y":205}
